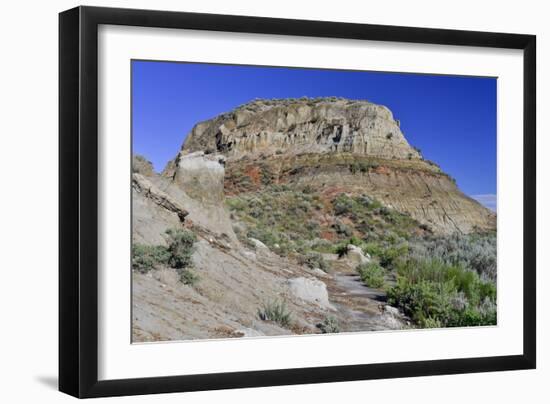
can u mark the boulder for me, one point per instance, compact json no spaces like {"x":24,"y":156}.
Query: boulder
{"x":320,"y":273}
{"x":393,"y":311}
{"x":392,"y":318}
{"x":201,"y":176}
{"x":260,"y":247}
{"x":310,"y":290}
{"x":355,"y":255}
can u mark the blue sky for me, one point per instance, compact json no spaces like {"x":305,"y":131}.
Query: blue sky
{"x":451,"y":119}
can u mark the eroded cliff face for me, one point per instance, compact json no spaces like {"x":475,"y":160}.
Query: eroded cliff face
{"x":334,"y":145}
{"x":303,"y":126}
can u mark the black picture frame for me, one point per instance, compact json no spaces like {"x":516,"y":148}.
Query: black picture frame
{"x":78,"y":201}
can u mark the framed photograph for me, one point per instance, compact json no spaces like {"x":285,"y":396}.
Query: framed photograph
{"x":251,"y":201}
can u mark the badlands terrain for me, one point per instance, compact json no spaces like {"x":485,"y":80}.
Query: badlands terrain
{"x":305,"y":216}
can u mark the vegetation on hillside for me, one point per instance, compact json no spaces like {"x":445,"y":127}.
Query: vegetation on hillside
{"x":176,"y":255}
{"x":437,"y":281}
{"x":441,"y":281}
{"x":448,"y":281}
{"x":300,"y":221}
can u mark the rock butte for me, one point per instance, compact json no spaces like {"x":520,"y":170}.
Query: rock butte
{"x":335,"y":145}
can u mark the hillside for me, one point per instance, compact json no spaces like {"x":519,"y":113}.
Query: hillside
{"x":305,"y":216}
{"x":232,"y":280}
{"x":335,"y":144}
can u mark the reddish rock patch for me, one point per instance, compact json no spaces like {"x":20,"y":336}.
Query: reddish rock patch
{"x":254,"y":173}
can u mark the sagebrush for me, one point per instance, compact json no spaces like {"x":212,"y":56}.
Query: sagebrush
{"x":177,"y":255}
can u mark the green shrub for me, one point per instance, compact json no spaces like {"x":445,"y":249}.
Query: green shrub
{"x":187,"y":277}
{"x":343,"y":229}
{"x":343,"y":204}
{"x":266,"y":176}
{"x":373,"y":249}
{"x":322,"y":246}
{"x":341,"y":249}
{"x":329,"y":325}
{"x":372,"y":274}
{"x":375,"y":205}
{"x":177,"y":255}
{"x":476,"y":252}
{"x":315,"y":260}
{"x":364,"y":200}
{"x":362,"y":166}
{"x":421,"y":301}
{"x":313,"y":227}
{"x":275,"y":311}
{"x":235,"y":203}
{"x":356,"y":241}
{"x":181,"y":247}
{"x":147,"y":257}
{"x":391,"y":255}
{"x":431,"y":291}
{"x":432,"y":323}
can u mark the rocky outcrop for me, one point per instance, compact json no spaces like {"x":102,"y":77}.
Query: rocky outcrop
{"x":153,"y":211}
{"x":144,"y":187}
{"x":191,"y":196}
{"x":335,"y":144}
{"x":200,"y":175}
{"x":142,"y":166}
{"x":310,"y":290}
{"x":304,"y":125}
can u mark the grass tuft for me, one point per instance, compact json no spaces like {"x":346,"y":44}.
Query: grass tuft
{"x":275,"y":311}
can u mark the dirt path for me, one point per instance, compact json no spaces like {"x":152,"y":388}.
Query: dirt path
{"x":353,"y":287}
{"x":360,"y":308}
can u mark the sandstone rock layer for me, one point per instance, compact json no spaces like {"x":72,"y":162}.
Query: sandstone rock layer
{"x":303,"y":126}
